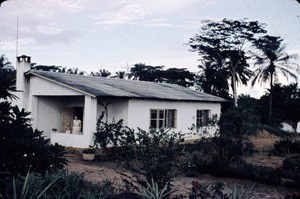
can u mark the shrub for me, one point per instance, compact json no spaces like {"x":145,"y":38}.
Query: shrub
{"x":152,"y":191}
{"x":238,"y":170}
{"x":114,"y":132}
{"x":232,"y":142}
{"x":153,"y":155}
{"x":89,"y":151}
{"x":219,"y":190}
{"x":62,"y":185}
{"x":292,"y":163}
{"x":22,"y":148}
{"x":284,"y":146}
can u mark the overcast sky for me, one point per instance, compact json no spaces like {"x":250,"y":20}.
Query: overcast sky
{"x":116,"y":34}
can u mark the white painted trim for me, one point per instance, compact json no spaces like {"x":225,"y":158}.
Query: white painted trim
{"x":59,"y":83}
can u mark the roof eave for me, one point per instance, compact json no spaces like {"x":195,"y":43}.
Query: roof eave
{"x":59,"y":83}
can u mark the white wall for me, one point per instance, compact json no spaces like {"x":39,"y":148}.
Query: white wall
{"x":139,"y":113}
{"x":48,"y":115}
{"x":39,"y":86}
{"x":117,"y":108}
{"x":46,"y":101}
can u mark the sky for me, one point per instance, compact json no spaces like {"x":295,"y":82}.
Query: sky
{"x":116,"y":34}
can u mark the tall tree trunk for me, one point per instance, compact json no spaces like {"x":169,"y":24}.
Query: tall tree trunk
{"x":271,"y":98}
{"x":234,"y":90}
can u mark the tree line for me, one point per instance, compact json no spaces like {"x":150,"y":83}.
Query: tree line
{"x":226,"y":48}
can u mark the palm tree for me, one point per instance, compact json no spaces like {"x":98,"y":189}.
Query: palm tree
{"x":120,"y":75}
{"x":213,"y":80}
{"x":273,"y":62}
{"x":75,"y":71}
{"x":7,"y":76}
{"x":101,"y":73}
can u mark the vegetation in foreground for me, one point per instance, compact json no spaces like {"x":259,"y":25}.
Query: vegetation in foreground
{"x":33,"y":168}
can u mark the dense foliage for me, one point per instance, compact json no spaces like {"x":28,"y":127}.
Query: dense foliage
{"x":153,"y":154}
{"x":21,"y":147}
{"x":111,"y":133}
{"x":223,"y":45}
{"x":62,"y":185}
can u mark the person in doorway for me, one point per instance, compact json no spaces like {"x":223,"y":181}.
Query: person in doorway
{"x":76,"y":125}
{"x":68,"y":128}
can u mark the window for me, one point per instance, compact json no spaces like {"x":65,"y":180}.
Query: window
{"x":163,"y":118}
{"x":203,"y":117}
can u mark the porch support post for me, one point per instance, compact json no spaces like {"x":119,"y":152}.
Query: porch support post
{"x":89,"y":118}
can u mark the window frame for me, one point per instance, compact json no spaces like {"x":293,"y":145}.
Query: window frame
{"x":163,"y":118}
{"x":203,"y":116}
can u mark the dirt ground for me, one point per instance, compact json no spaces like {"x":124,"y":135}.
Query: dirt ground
{"x":97,"y":171}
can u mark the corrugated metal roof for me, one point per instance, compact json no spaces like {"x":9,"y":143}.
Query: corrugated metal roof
{"x":100,"y":86}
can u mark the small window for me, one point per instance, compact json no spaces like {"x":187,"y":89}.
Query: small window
{"x":203,"y":117}
{"x":163,"y":118}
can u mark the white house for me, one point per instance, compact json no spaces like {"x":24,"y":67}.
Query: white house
{"x":55,"y":98}
{"x":290,"y":127}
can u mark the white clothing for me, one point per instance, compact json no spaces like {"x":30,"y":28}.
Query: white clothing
{"x":76,"y":126}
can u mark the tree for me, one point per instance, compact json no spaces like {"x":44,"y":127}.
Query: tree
{"x":46,"y":68}
{"x":145,"y":72}
{"x":21,"y":147}
{"x":180,"y":76}
{"x":1,"y":1}
{"x":224,"y":43}
{"x":101,"y":73}
{"x":7,"y":76}
{"x":273,"y":61}
{"x":120,"y":75}
{"x":213,"y":80}
{"x":236,"y":124}
{"x":285,"y":106}
{"x":75,"y":71}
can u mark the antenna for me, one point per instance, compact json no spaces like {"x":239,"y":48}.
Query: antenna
{"x":17,"y":42}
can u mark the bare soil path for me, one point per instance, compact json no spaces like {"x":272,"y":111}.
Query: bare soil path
{"x":97,"y":171}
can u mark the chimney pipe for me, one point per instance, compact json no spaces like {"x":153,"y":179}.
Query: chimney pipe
{"x":23,"y":65}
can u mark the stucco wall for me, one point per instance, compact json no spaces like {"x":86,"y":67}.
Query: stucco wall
{"x":136,"y":112}
{"x":139,"y":113}
{"x":117,"y":108}
{"x":48,"y":115}
{"x":39,"y":86}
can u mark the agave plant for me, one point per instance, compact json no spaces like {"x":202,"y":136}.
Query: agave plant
{"x":152,"y":191}
{"x":240,"y":192}
{"x":27,"y":192}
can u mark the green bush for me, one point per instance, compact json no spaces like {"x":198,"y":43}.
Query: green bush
{"x":114,"y":132}
{"x":284,"y":146}
{"x":232,"y":142}
{"x":240,"y":169}
{"x":153,"y":155}
{"x":152,"y":191}
{"x":61,"y":185}
{"x":292,"y":163}
{"x":22,"y":148}
{"x":219,"y":190}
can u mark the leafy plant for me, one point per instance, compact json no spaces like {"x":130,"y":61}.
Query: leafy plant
{"x":62,"y":185}
{"x":292,"y":163}
{"x":153,"y":155}
{"x":22,"y":148}
{"x":89,"y":151}
{"x":26,"y":187}
{"x":232,"y":140}
{"x":219,"y":190}
{"x":240,"y":192}
{"x":114,"y":132}
{"x":153,"y":191}
{"x":284,"y":146}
